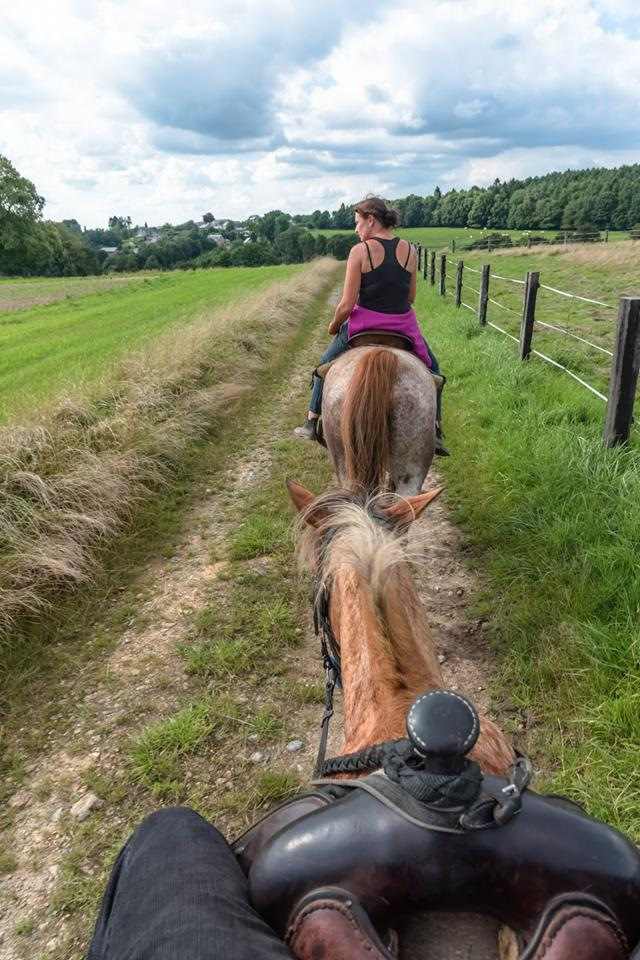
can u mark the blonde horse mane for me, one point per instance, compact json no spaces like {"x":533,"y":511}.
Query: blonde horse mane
{"x":350,"y":532}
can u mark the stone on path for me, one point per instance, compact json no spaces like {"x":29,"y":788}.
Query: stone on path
{"x":294,"y":745}
{"x":83,"y":807}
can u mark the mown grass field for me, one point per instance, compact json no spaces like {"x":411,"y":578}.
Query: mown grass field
{"x":19,"y":294}
{"x":552,"y":519}
{"x":65,"y":345}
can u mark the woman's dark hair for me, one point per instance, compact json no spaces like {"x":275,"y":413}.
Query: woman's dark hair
{"x":377,"y":207}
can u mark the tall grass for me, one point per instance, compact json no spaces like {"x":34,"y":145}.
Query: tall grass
{"x":70,"y":482}
{"x":553,"y":519}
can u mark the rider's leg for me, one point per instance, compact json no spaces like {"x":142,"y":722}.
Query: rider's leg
{"x":176,"y":890}
{"x":338,"y":346}
{"x":441,"y":449}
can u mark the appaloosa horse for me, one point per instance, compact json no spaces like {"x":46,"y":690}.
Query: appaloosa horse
{"x":378,"y":419}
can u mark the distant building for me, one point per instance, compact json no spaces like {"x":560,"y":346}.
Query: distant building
{"x":110,"y":251}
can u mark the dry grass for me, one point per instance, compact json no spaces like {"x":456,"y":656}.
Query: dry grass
{"x":626,"y":253}
{"x":70,"y":482}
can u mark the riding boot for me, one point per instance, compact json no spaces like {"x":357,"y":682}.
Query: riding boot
{"x":440,"y":450}
{"x":308,"y":430}
{"x":330,"y":923}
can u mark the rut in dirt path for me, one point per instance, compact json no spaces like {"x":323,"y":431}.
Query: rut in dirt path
{"x":76,"y":799}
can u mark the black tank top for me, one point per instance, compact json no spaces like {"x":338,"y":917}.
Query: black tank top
{"x":386,"y":288}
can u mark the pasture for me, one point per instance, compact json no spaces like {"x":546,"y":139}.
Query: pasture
{"x":438,"y":238}
{"x":64,"y":346}
{"x":551,"y":519}
{"x":603,"y":273}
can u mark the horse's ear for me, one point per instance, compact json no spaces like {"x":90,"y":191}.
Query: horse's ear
{"x":409,"y":509}
{"x":303,"y":500}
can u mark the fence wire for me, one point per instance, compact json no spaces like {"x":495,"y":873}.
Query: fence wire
{"x":496,"y":276}
{"x":575,"y":296}
{"x":502,"y":306}
{"x":574,"y":336}
{"x":553,"y":362}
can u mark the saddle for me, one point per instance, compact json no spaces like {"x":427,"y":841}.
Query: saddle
{"x":333,"y":870}
{"x":376,"y":338}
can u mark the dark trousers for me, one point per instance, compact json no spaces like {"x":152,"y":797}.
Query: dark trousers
{"x":176,"y":892}
{"x":339,"y":345}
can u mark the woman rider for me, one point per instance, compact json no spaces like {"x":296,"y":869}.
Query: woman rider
{"x":379,"y":289}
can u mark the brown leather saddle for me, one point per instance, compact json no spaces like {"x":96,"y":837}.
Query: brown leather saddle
{"x":331,"y":871}
{"x":376,"y":338}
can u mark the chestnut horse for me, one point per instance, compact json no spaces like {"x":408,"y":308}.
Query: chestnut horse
{"x":387,"y":654}
{"x":378,"y":419}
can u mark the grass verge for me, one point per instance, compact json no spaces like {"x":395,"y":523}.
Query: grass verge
{"x":552,"y":518}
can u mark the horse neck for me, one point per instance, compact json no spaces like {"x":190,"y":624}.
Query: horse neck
{"x":387,"y":654}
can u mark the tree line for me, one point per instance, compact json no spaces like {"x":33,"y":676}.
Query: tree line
{"x":574,"y":200}
{"x":32,"y":246}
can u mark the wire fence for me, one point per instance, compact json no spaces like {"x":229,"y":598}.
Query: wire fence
{"x":622,"y":375}
{"x":498,"y":241}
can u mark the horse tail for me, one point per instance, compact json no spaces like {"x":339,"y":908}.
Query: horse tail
{"x":365,"y":423}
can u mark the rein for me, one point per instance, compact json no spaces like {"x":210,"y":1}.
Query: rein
{"x":331,"y":661}
{"x":369,"y":757}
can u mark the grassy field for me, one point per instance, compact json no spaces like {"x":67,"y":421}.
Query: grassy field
{"x":603,"y":273}
{"x":32,"y":292}
{"x":440,"y":237}
{"x":552,"y":519}
{"x":62,"y":347}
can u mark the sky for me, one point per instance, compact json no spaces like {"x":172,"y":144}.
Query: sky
{"x":163,"y":111}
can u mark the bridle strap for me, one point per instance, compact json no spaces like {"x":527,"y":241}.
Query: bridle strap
{"x":331,"y":678}
{"x":331,"y":659}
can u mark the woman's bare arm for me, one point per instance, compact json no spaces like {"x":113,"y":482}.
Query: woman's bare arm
{"x":413,"y":266}
{"x":350,"y":290}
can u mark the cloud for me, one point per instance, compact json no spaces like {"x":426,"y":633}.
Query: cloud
{"x":246,"y":105}
{"x":223,"y":86}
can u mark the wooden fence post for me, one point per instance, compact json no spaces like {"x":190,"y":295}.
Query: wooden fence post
{"x":424,"y":268}
{"x":606,"y":236}
{"x":459,"y":283}
{"x":624,"y":373}
{"x":483,"y":297}
{"x":528,"y":312}
{"x":453,"y":245}
{"x":443,"y":273}
{"x":432,"y":269}
{"x":419,"y":251}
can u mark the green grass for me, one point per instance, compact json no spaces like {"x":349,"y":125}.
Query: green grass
{"x":439,"y":238}
{"x":602,"y":273}
{"x":276,"y":786}
{"x":552,"y":518}
{"x":66,"y":345}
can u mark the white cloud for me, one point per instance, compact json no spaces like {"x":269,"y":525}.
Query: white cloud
{"x":241,"y":106}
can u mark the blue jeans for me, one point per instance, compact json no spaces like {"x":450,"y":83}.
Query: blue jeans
{"x":339,"y":345}
{"x":176,"y":892}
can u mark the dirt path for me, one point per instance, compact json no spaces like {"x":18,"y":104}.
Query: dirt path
{"x":82,"y":794}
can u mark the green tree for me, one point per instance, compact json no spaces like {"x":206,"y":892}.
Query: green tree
{"x":208,"y":218}
{"x":20,"y":214}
